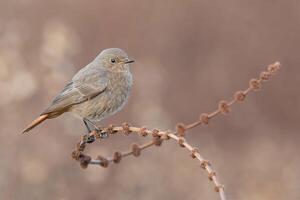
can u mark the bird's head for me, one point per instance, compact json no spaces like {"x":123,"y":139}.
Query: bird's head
{"x":114,"y":59}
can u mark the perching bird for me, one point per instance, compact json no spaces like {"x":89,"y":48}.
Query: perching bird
{"x":98,"y":90}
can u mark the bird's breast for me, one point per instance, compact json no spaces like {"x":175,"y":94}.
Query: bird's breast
{"x":119,"y":88}
{"x":110,"y":101}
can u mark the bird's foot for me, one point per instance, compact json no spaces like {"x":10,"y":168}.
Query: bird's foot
{"x":88,"y":138}
{"x":102,"y":133}
{"x":93,"y":135}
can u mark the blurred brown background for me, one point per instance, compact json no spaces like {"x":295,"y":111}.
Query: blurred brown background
{"x":190,"y":54}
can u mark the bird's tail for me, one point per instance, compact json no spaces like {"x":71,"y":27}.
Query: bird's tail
{"x":35,"y":122}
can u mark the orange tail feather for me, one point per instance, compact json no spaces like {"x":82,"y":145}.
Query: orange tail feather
{"x":35,"y":122}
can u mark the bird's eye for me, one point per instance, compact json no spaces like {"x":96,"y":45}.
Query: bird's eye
{"x":113,"y":60}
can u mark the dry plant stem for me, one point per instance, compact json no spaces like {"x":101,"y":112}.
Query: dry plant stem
{"x":124,"y":154}
{"x":181,"y":141}
{"x":178,"y":135}
{"x":254,"y":85}
{"x":204,"y":164}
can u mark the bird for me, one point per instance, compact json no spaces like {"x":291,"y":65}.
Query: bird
{"x":97,"y":91}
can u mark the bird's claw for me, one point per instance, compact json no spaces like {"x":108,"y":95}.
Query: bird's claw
{"x":103,"y":135}
{"x":90,"y":139}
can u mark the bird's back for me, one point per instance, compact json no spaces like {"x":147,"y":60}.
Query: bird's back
{"x":86,"y":84}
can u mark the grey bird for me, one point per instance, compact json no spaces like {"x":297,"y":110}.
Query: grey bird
{"x":97,"y":91}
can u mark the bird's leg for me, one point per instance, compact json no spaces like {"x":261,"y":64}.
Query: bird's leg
{"x":87,"y":122}
{"x":87,"y":126}
{"x":88,"y":138}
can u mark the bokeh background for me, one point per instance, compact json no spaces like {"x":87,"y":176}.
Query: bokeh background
{"x":189,"y":55}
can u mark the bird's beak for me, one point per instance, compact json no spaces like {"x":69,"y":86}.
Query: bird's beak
{"x":128,"y":61}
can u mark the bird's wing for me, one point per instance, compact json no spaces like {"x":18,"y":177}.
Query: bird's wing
{"x":85,"y":85}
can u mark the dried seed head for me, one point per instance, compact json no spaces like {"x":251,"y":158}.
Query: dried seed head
{"x":84,"y":161}
{"x":98,"y":136}
{"x":239,"y":96}
{"x":126,"y":129}
{"x":157,"y":141}
{"x":76,"y":154}
{"x":155,"y":133}
{"x":80,"y":146}
{"x":165,"y":136}
{"x":211,"y":175}
{"x":117,"y":157}
{"x":181,"y":140}
{"x":265,"y":76}
{"x":83,"y":137}
{"x":180,"y":129}
{"x":143,"y":132}
{"x":194,"y":151}
{"x":204,"y":118}
{"x":254,"y":84}
{"x":204,"y":164}
{"x":136,"y":150}
{"x":110,"y":129}
{"x":219,"y":187}
{"x":273,"y":68}
{"x":224,"y":107}
{"x":103,"y":161}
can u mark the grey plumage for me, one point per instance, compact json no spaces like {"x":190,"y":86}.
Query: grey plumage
{"x":98,"y":90}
